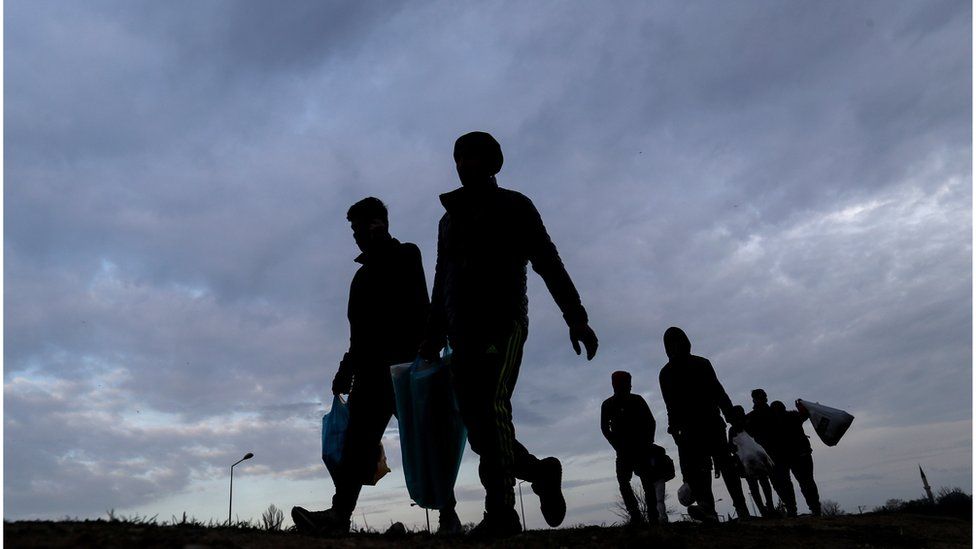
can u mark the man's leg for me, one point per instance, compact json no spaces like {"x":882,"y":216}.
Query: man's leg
{"x":370,"y":410}
{"x":784,"y":486}
{"x":659,"y":495}
{"x":644,"y":468}
{"x":482,"y":373}
{"x":625,"y":472}
{"x":756,"y":495}
{"x":696,"y":470}
{"x":768,"y":492}
{"x":802,"y":467}
{"x":723,"y":462}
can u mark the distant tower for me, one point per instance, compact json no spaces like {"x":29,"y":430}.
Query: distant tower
{"x":925,"y":483}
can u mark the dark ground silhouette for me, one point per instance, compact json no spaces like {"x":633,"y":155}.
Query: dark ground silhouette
{"x":868,"y":530}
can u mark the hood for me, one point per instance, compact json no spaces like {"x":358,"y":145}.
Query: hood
{"x":676,"y":343}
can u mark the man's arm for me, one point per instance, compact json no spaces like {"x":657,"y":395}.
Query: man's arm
{"x":648,"y":419}
{"x":418,"y":302}
{"x":674,"y":428}
{"x":342,"y":382}
{"x":546,"y":261}
{"x":436,"y":330}
{"x":718,"y":392}
{"x":605,"y":423}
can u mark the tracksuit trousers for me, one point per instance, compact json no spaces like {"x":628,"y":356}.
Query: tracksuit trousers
{"x":484,"y":373}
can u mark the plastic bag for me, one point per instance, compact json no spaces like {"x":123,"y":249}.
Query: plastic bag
{"x":829,"y":423}
{"x":432,"y":436}
{"x":662,"y":464}
{"x":754,"y":459}
{"x":382,"y":467}
{"x":334,"y":426}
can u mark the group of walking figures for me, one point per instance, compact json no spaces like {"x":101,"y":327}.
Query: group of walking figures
{"x":478,"y":305}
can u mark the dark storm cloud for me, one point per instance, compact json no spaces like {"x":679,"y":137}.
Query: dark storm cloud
{"x":789,"y":182}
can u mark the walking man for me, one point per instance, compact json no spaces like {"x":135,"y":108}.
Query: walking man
{"x":792,"y":453}
{"x":759,"y":426}
{"x":759,"y":480}
{"x":628,"y":425}
{"x":388,"y":306}
{"x":485,"y":240}
{"x":694,"y":396}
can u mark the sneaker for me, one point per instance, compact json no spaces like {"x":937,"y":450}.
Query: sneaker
{"x":498,"y":525}
{"x":322,"y":523}
{"x":449,"y":524}
{"x":549,"y":489}
{"x":696,"y":512}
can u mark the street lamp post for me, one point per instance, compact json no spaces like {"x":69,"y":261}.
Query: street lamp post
{"x":522,"y":503}
{"x":230,"y":506}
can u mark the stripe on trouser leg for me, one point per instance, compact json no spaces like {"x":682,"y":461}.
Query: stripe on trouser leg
{"x":503,"y":423}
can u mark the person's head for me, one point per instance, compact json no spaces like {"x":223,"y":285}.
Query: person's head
{"x":621,"y":382}
{"x":738,"y":413}
{"x":777,"y":407}
{"x":759,"y":398}
{"x":478,"y":158}
{"x":370,"y":223}
{"x":676,"y":343}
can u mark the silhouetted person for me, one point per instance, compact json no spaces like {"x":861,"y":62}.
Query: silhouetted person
{"x":694,"y":397}
{"x":628,"y":425}
{"x":791,"y":452}
{"x":388,"y":306}
{"x":485,"y":241}
{"x":766,"y":508}
{"x":759,"y":427}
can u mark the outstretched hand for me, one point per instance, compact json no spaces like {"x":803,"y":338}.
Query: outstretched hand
{"x":582,"y":333}
{"x":802,"y":409}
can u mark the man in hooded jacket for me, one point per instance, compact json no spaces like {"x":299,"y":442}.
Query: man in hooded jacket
{"x":485,"y":240}
{"x":694,"y":397}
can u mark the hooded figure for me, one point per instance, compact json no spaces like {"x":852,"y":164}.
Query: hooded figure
{"x":694,"y":399}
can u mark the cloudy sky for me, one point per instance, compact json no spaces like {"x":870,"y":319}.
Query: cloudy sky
{"x":788,"y":181}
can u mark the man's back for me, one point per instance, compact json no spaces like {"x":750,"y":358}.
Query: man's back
{"x":486,"y":239}
{"x":627,"y":422}
{"x":787,"y":437}
{"x":692,"y":392}
{"x":388,"y":305}
{"x":758,"y":424}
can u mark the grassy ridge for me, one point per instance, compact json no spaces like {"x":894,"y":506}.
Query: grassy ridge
{"x":869,"y":530}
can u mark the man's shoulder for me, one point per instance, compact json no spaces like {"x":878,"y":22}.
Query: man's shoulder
{"x":409,"y":248}
{"x":514,"y":198}
{"x":638,"y":399}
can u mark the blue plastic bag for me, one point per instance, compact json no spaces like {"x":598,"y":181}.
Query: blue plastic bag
{"x":334,"y":425}
{"x":432,"y":435}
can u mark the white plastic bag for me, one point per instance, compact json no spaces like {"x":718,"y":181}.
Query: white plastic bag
{"x":754,"y":458}
{"x":829,"y":423}
{"x":382,"y":467}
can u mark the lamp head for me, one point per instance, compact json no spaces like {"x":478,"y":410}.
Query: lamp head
{"x":248,"y":455}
